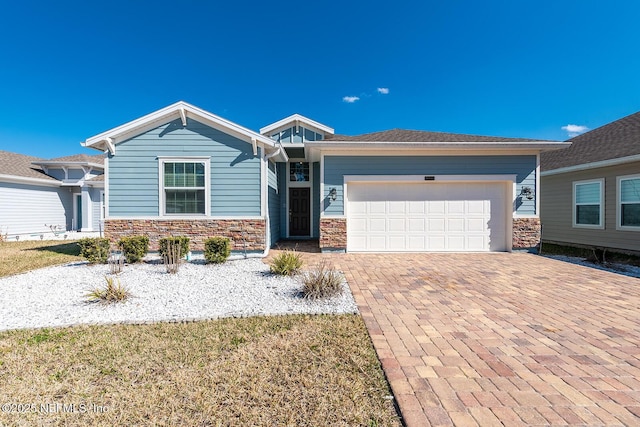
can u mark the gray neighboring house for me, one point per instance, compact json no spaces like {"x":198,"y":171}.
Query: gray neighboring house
{"x":591,"y":190}
{"x":43,"y":196}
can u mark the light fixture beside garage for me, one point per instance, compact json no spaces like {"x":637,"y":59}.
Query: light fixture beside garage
{"x":526,"y":192}
{"x":333,"y":194}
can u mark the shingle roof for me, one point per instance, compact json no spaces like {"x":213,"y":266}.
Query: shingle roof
{"x":21,"y":165}
{"x":403,"y":135}
{"x":77,"y":158}
{"x":614,"y":140}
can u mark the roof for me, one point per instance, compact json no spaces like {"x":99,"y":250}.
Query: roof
{"x":20,"y":165}
{"x":615,"y":140}
{"x":404,"y":135}
{"x":77,"y":159}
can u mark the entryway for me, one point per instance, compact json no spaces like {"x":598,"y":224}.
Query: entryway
{"x":299,"y":212}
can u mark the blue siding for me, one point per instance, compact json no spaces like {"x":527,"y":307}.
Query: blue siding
{"x":133,"y":171}
{"x":274,"y":215}
{"x":56,"y":173}
{"x":335,"y":167}
{"x":26,"y":208}
{"x":315,"y":200}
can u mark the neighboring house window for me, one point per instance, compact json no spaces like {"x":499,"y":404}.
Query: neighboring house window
{"x":185,"y":187}
{"x":629,"y":202}
{"x":588,"y":204}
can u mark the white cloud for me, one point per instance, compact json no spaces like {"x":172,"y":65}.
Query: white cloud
{"x":383,"y":90}
{"x":574,"y":130}
{"x":351,"y":99}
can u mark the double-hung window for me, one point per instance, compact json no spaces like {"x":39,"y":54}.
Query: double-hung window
{"x":184,"y":188}
{"x":588,"y":204}
{"x":628,"y":202}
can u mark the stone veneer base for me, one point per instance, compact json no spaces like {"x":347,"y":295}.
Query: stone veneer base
{"x":526,"y":233}
{"x":333,"y":234}
{"x":244,"y":234}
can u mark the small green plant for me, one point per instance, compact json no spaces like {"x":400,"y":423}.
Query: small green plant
{"x":324,"y":281}
{"x":112,"y":292}
{"x":183,"y":241}
{"x":134,"y":247}
{"x":94,"y":249}
{"x":286,"y":263}
{"x":217,"y":249}
{"x":172,"y":256}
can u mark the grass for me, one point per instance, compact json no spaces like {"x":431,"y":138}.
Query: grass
{"x":285,"y":370}
{"x":19,"y":257}
{"x":112,"y":292}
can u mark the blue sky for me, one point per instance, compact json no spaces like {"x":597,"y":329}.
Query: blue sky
{"x":71,"y":70}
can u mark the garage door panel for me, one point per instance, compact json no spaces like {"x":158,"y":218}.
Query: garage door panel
{"x":426,"y":217}
{"x":377,"y":225}
{"x":396,"y":225}
{"x":397,"y":208}
{"x":417,"y":225}
{"x":417,"y":207}
{"x":377,"y":208}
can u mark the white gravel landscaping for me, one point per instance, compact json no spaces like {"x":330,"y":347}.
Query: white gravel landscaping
{"x":56,"y":296}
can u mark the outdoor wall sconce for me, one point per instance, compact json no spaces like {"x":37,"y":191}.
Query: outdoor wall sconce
{"x":333,"y":194}
{"x":527,"y":192}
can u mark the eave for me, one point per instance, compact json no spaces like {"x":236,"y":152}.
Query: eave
{"x":27,"y":180}
{"x":313,"y":150}
{"x":592,"y":165}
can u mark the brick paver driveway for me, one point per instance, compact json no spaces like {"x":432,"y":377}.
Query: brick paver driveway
{"x":493,"y":339}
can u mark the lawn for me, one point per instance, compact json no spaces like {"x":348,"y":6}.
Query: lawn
{"x":285,"y":370}
{"x":282,"y":370}
{"x":18,"y":257}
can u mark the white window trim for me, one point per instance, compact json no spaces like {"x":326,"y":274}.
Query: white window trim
{"x":599,"y":226}
{"x":102,"y":205}
{"x":619,"y":225}
{"x":207,"y":186}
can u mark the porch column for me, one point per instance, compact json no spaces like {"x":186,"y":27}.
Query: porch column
{"x":86,"y":210}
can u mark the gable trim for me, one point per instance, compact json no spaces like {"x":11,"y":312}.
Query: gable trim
{"x":296,"y":120}
{"x":26,"y":180}
{"x":108,"y":140}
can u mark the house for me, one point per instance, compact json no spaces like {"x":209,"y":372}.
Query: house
{"x":40,"y":196}
{"x":591,"y":191}
{"x":185,"y":171}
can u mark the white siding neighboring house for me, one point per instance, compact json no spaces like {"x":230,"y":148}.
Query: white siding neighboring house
{"x":43,"y":198}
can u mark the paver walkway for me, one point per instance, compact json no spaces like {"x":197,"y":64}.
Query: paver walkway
{"x":501,"y":339}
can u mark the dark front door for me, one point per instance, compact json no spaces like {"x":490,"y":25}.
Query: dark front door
{"x":299,"y":214}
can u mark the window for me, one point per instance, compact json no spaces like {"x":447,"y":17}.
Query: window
{"x":299,"y":171}
{"x":184,"y":187}
{"x":588,"y":204}
{"x":629,"y":202}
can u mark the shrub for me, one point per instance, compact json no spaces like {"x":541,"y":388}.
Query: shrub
{"x":134,"y":247}
{"x":94,"y":249}
{"x":183,"y":241}
{"x":110,"y":293}
{"x":217,"y":249}
{"x":172,"y":256}
{"x":286,"y":263}
{"x":322,"y":282}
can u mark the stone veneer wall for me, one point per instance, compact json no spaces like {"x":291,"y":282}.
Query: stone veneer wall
{"x":245,"y":234}
{"x":526,"y":232}
{"x":333,"y":233}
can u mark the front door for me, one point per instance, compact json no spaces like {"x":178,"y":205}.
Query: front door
{"x":299,"y":212}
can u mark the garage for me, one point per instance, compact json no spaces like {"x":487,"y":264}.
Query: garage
{"x":427,"y":216}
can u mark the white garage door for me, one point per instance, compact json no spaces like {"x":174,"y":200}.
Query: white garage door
{"x":419,"y":217}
